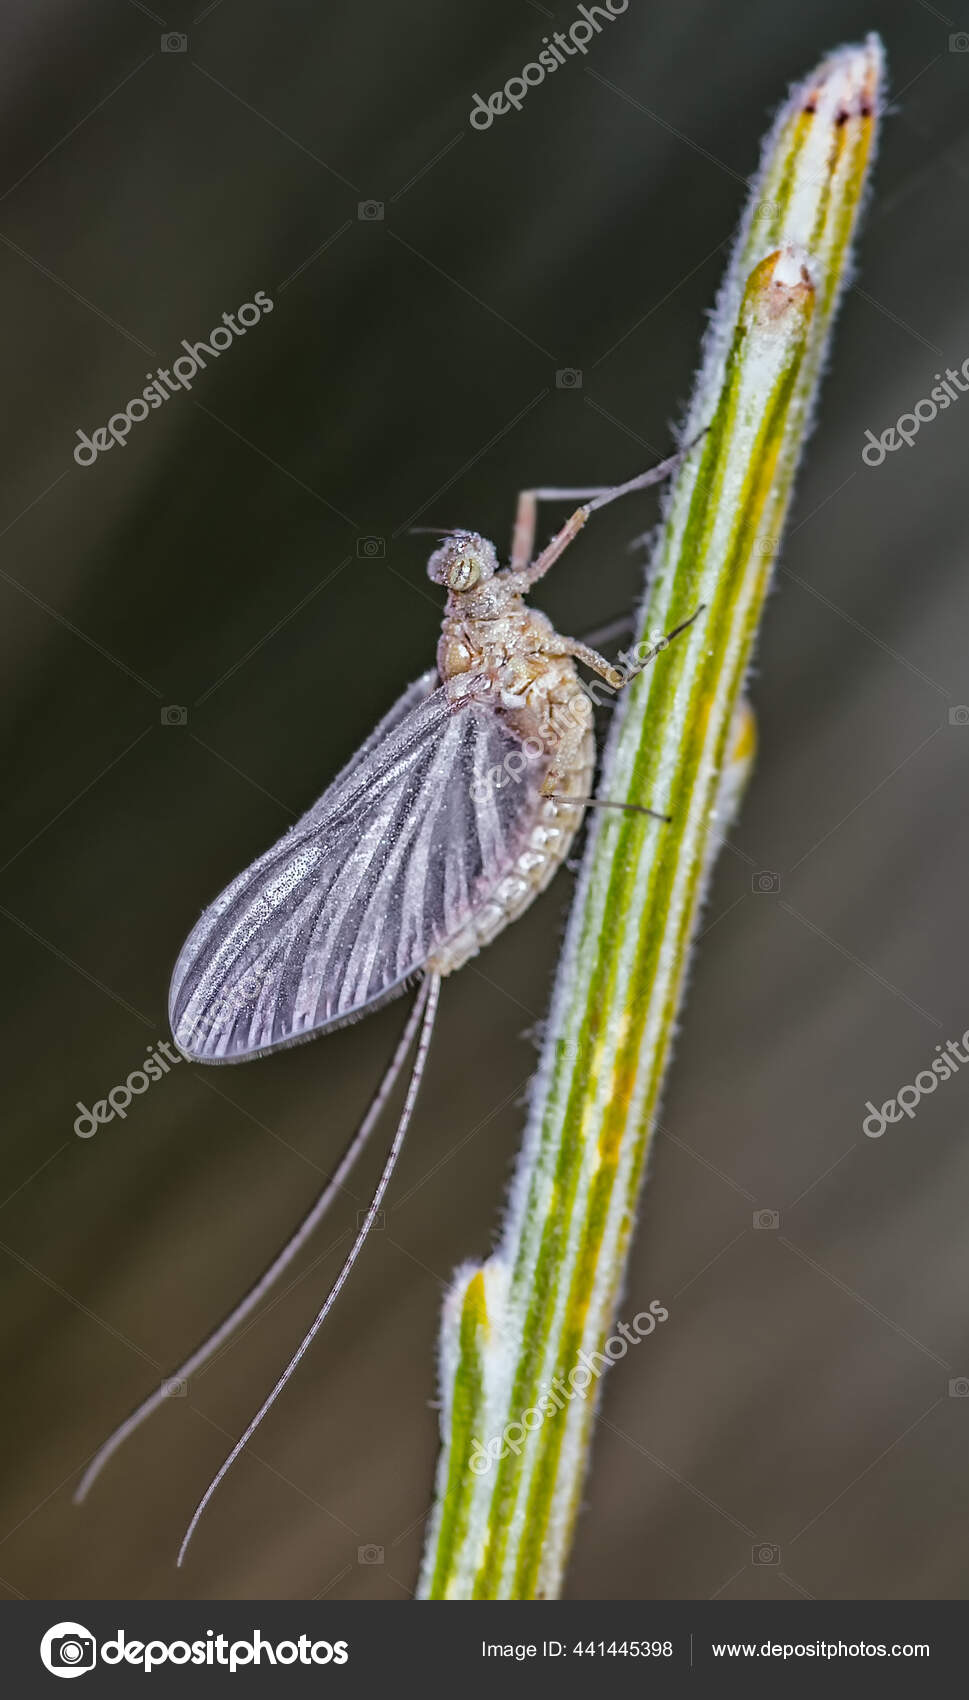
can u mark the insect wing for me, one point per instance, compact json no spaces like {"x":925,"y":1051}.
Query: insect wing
{"x":383,"y":870}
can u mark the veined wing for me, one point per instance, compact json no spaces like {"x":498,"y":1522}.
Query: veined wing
{"x":383,"y":870}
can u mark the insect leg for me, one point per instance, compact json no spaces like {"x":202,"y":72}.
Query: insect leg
{"x":663,"y":643}
{"x":526,"y":518}
{"x":643,"y":481}
{"x":591,"y":500}
{"x":592,"y":659}
{"x":427,"y":1003}
{"x":523,"y":535}
{"x":602,"y":803}
{"x":617,"y":677}
{"x":211,"y":1344}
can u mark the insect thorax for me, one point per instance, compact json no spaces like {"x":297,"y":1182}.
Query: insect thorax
{"x":506,"y":653}
{"x":494,"y":646}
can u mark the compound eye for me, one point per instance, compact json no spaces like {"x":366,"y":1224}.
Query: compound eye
{"x":462,"y":574}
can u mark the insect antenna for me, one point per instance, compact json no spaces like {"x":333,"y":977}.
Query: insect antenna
{"x":426,"y":1005}
{"x":237,"y":1316}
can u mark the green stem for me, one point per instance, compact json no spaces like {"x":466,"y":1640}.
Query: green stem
{"x":516,"y":1421}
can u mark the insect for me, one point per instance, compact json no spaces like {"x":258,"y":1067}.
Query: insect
{"x":445,"y":825}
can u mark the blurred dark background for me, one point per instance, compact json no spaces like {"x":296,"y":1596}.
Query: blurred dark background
{"x":800,"y":1394}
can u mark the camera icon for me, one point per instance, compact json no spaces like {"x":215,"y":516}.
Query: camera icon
{"x":371,"y":548}
{"x":767,"y":1219}
{"x":68,"y":1649}
{"x":72,"y":1652}
{"x":175,"y":1388}
{"x":370,"y":1555}
{"x":765,"y":880}
{"x":959,"y":715}
{"x":173,"y":715}
{"x":174,"y":43}
{"x":765,"y":1553}
{"x":379,"y":1221}
{"x":370,"y":211}
{"x":568,"y":378}
{"x":959,"y":43}
{"x":959,"y":1387}
{"x":766,"y":210}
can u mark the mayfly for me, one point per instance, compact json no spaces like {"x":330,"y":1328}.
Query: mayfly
{"x":442,"y":829}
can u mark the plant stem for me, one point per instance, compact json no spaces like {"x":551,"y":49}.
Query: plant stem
{"x":516,"y":1422}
